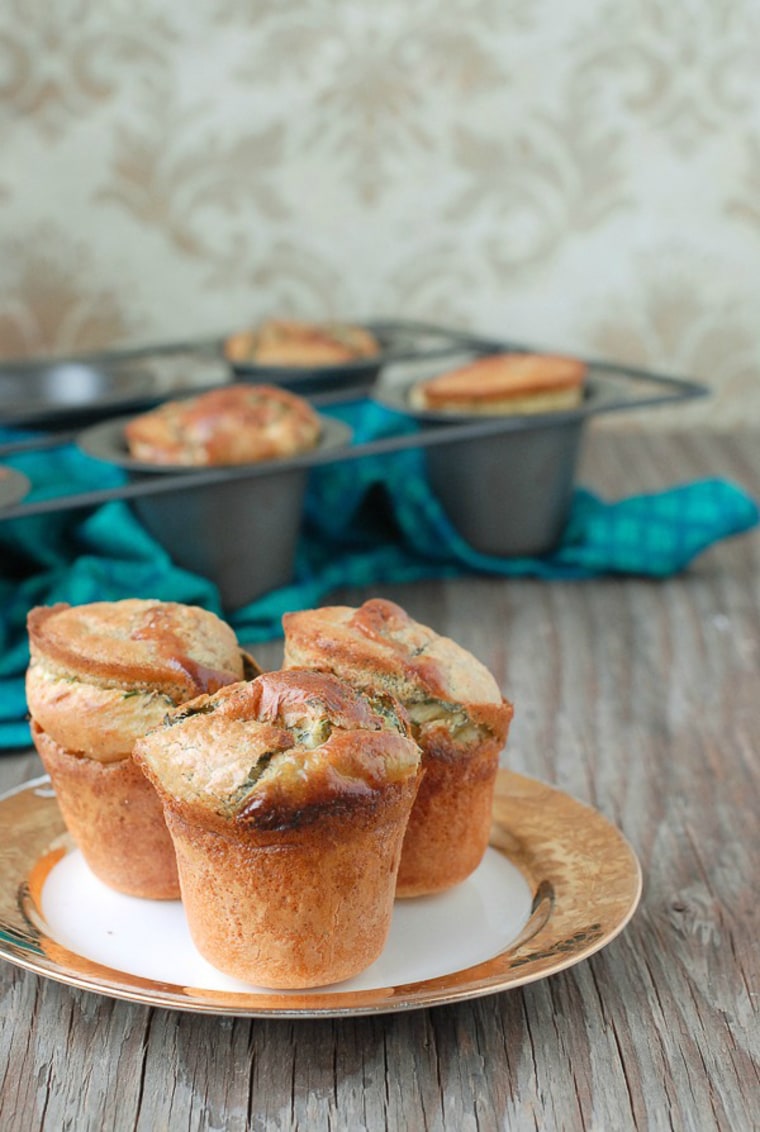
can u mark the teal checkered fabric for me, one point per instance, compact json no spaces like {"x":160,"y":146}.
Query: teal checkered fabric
{"x":367,"y":522}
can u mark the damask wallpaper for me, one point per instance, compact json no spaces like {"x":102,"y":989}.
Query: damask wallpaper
{"x":582,"y":176}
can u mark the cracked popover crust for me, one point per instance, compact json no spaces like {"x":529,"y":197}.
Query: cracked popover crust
{"x":287,"y":798}
{"x":290,"y":342}
{"x":497,"y":384}
{"x":100,"y":675}
{"x":235,"y":424}
{"x":458,"y":716}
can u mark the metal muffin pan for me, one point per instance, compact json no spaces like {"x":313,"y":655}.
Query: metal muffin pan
{"x":506,"y":482}
{"x":241,"y":530}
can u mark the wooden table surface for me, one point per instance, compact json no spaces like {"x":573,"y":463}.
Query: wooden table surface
{"x":642,"y":698}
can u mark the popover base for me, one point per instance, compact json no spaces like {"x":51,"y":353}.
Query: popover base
{"x":115,"y":818}
{"x":296,"y":908}
{"x":450,"y":823}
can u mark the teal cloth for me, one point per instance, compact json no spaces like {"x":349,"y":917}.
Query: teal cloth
{"x":367,"y":521}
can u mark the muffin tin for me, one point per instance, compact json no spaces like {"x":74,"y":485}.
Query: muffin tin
{"x":505,"y":482}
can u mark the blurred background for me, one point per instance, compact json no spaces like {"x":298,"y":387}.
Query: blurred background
{"x":578,"y":176}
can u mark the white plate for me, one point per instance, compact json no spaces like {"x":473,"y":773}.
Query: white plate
{"x":558,"y":883}
{"x":429,"y":937}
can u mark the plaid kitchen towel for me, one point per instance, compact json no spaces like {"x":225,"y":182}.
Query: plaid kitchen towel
{"x":368,"y":521}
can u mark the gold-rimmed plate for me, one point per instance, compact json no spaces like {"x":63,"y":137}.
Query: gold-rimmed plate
{"x":558,"y":883}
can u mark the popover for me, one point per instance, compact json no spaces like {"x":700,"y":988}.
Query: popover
{"x":101,"y":675}
{"x":458,"y":715}
{"x":234,"y":424}
{"x":287,"y":798}
{"x":499,"y":384}
{"x":290,"y":342}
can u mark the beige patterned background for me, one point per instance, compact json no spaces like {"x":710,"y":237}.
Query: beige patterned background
{"x":584,"y":176}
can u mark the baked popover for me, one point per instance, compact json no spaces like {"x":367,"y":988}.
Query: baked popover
{"x":101,"y":675}
{"x":290,"y":342}
{"x":287,"y":798}
{"x":458,"y":714}
{"x":234,"y":424}
{"x":500,"y":384}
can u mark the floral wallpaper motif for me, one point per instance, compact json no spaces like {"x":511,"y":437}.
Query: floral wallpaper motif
{"x":56,"y":296}
{"x":684,"y":69}
{"x":63,"y":61}
{"x":580,"y":177}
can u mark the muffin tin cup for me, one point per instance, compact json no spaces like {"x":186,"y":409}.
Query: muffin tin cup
{"x":241,"y":534}
{"x":59,"y":393}
{"x":506,"y":492}
{"x":506,"y":482}
{"x":508,"y":496}
{"x":398,"y":340}
{"x":14,"y":486}
{"x":238,"y":530}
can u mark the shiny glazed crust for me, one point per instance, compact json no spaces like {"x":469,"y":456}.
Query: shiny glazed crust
{"x":458,"y":715}
{"x":279,"y":752}
{"x":504,"y":383}
{"x":235,"y":424}
{"x":104,"y":673}
{"x":115,"y":817}
{"x":289,"y":342}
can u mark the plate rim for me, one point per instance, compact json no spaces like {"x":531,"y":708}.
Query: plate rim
{"x":522,"y":805}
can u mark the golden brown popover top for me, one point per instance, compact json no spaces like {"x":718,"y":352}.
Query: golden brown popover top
{"x":504,"y":382}
{"x":380,"y":646}
{"x":235,"y":424}
{"x":277,"y":751}
{"x":288,"y":342}
{"x":102,"y":673}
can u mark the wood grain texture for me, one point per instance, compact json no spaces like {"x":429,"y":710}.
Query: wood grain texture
{"x":640,"y":698}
